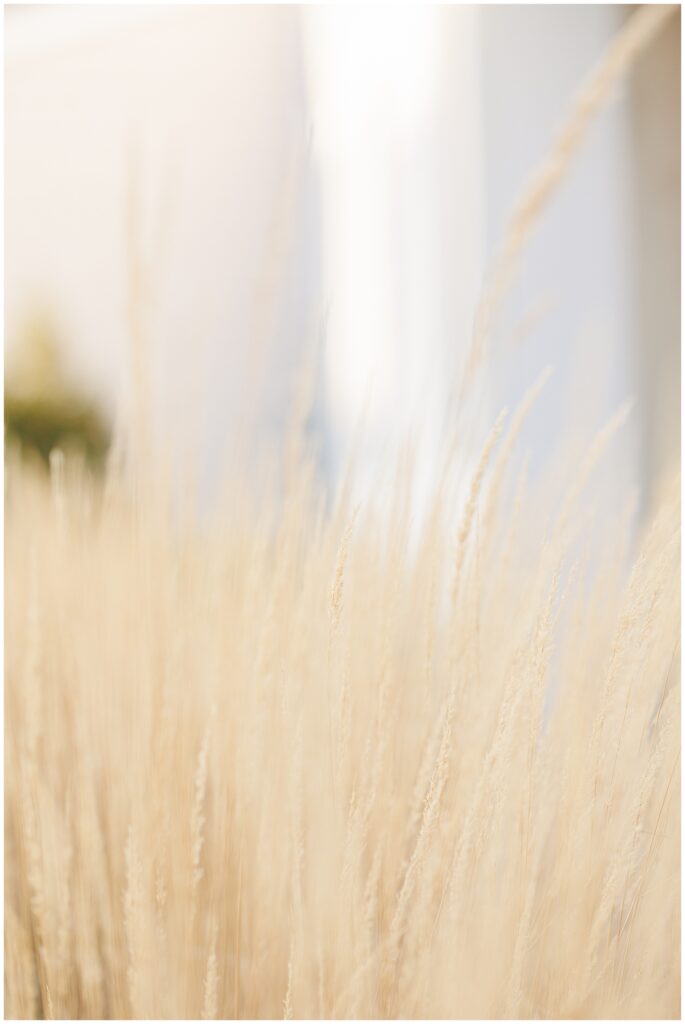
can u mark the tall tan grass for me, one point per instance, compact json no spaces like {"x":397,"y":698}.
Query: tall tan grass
{"x":301,"y":769}
{"x":317,"y":763}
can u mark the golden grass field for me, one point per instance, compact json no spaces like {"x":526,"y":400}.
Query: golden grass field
{"x":312,"y":759}
{"x":297,"y":767}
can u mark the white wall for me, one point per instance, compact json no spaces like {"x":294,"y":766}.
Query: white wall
{"x":396,"y":126}
{"x":655,"y":137}
{"x":354,"y":166}
{"x":582,"y":259}
{"x":200,"y":114}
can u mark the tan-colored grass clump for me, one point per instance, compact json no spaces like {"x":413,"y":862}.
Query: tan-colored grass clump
{"x":327,"y":764}
{"x":228,"y":790}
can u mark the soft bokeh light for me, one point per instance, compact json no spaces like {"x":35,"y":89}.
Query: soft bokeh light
{"x":342,"y":173}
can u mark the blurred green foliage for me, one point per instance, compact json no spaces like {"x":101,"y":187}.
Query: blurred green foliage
{"x":42,"y":410}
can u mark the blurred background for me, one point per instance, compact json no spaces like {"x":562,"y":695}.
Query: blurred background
{"x":218,"y":195}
